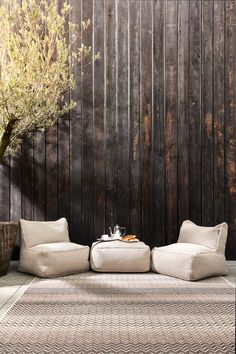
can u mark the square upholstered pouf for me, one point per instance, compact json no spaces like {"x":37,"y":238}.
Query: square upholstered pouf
{"x":119,"y":256}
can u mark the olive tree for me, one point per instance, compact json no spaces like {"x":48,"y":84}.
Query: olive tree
{"x":35,"y":68}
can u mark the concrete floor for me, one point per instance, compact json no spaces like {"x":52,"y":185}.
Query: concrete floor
{"x":13,"y":284}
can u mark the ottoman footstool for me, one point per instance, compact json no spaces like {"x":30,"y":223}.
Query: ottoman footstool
{"x":119,"y":256}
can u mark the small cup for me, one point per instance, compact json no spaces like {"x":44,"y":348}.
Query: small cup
{"x":105,"y":237}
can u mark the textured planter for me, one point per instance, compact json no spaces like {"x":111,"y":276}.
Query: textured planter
{"x":8,"y":233}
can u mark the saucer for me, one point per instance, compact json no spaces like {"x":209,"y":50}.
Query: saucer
{"x":108,"y":239}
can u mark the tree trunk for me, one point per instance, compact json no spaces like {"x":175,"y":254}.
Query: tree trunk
{"x":8,"y":233}
{"x":5,"y":139}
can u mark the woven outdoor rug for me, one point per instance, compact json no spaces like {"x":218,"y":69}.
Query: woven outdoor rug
{"x":121,"y":313}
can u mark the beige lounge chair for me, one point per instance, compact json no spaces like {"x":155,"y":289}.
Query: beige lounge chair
{"x":199,"y":253}
{"x":46,"y":250}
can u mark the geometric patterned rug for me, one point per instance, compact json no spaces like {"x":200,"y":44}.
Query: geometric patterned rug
{"x":121,"y":313}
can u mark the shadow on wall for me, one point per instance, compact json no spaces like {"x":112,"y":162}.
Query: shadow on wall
{"x":29,"y":182}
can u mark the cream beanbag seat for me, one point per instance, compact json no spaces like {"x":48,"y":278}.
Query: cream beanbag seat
{"x":46,"y":250}
{"x":119,"y":256}
{"x":199,"y":253}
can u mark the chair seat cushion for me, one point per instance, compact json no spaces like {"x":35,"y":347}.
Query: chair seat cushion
{"x":188,"y":261}
{"x":54,"y":259}
{"x":119,"y":256}
{"x":57,"y":247}
{"x":188,"y":248}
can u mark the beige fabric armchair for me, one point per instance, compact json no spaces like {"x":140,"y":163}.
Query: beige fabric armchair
{"x":199,"y":253}
{"x":46,"y":250}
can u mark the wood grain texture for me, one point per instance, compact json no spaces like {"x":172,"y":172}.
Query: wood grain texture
{"x":152,"y":139}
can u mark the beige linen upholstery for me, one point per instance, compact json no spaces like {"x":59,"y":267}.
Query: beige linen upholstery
{"x":199,"y":253}
{"x":46,"y":250}
{"x":118,"y":256}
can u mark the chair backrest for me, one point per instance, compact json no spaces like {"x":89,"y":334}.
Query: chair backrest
{"x":212,"y":237}
{"x":37,"y":232}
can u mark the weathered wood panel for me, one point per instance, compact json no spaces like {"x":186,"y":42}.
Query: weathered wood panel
{"x":152,"y":139}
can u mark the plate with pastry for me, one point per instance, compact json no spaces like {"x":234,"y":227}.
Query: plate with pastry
{"x":129,"y":238}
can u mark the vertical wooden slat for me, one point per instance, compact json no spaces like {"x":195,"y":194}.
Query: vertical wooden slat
{"x":194,"y":83}
{"x":158,"y":124}
{"x":27,"y":180}
{"x":63,"y":150}
{"x":15,"y":187}
{"x":123,"y":114}
{"x":4,"y":176}
{"x":5,"y":171}
{"x":63,"y":167}
{"x":219,"y":111}
{"x":76,"y":137}
{"x":230,"y":129}
{"x":207,"y":113}
{"x":111,"y":136}
{"x":15,"y":196}
{"x":146,"y":120}
{"x":87,"y":129}
{"x":171,"y":120}
{"x":39,"y":185}
{"x":134,"y":169}
{"x":4,"y":191}
{"x":183,"y":117}
{"x":51,"y":173}
{"x":99,"y":151}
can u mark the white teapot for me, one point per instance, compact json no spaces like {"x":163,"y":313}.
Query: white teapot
{"x":118,"y":231}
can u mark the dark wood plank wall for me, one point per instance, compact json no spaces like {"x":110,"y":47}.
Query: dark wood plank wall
{"x":152,"y":140}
